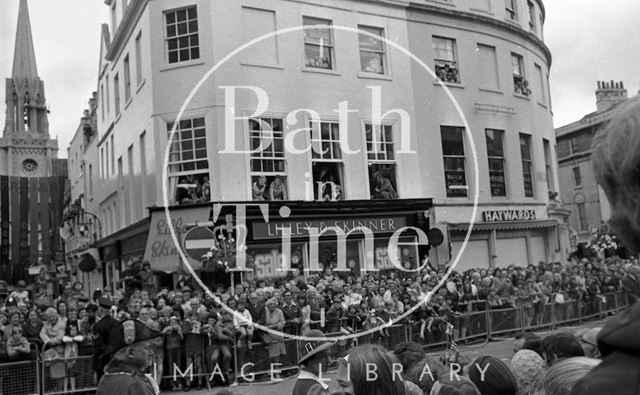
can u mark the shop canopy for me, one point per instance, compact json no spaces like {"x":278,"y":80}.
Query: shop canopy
{"x":510,"y":225}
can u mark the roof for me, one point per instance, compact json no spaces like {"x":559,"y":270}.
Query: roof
{"x":24,"y":57}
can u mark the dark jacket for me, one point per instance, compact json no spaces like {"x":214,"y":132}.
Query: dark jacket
{"x":122,"y":379}
{"x":619,"y":343}
{"x":101,"y":331}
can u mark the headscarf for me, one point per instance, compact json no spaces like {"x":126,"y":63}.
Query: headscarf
{"x":527,"y":367}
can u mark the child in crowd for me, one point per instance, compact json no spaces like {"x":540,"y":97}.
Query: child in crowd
{"x":243,"y":324}
{"x":173,"y":347}
{"x":71,"y":340}
{"x":18,"y":348}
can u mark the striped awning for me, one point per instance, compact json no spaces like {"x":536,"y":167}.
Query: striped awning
{"x":509,"y":225}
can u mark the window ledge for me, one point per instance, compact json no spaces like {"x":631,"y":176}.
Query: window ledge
{"x":319,"y":71}
{"x":179,"y":65}
{"x":512,"y":21}
{"x":448,"y":84}
{"x":262,"y":65}
{"x":374,"y":76}
{"x":491,"y":90}
{"x":443,"y":2}
{"x":128,"y":103}
{"x":542,"y":105}
{"x":140,"y":85}
{"x":482,"y":11}
{"x":521,"y":96}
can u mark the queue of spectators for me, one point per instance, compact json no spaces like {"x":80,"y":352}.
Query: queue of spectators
{"x":198,"y":331}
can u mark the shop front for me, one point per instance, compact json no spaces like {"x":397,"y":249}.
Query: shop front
{"x":301,"y":237}
{"x":504,"y":236}
{"x":120,"y":249}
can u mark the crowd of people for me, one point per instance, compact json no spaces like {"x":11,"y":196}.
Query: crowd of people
{"x":550,"y":365}
{"x":198,"y":331}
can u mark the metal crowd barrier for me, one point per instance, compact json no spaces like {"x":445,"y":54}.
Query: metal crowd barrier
{"x":19,"y":378}
{"x":59,"y":375}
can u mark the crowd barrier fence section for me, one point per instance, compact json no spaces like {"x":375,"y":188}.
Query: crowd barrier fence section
{"x":65,"y":375}
{"x":52,"y":374}
{"x":19,"y":378}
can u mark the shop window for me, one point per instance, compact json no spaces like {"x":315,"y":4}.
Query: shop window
{"x":446,"y":64}
{"x":268,"y":167}
{"x":267,"y":259}
{"x":495,"y":155}
{"x":511,"y":8}
{"x":328,"y":175}
{"x":188,"y":163}
{"x":520,"y":83}
{"x":328,"y":255}
{"x":527,"y":164}
{"x":181,"y":35}
{"x":372,"y":50}
{"x":382,"y":166}
{"x":454,"y":161}
{"x":407,"y":253}
{"x":318,"y":44}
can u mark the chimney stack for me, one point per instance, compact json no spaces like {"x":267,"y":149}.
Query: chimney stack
{"x":609,"y":93}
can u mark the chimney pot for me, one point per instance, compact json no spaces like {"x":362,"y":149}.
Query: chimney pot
{"x":612,"y":84}
{"x":598,"y":84}
{"x":621,"y":85}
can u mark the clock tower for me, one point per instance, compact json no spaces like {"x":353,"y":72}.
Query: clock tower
{"x":26,"y":150}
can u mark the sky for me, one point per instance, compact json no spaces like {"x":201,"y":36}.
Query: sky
{"x":590,"y":40}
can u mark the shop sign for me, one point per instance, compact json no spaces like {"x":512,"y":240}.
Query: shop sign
{"x":300,"y":228}
{"x":508,"y":215}
{"x":161,"y":250}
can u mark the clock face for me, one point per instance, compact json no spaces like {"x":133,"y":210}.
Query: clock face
{"x":30,"y":166}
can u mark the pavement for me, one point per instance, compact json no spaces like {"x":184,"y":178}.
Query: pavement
{"x":501,"y":348}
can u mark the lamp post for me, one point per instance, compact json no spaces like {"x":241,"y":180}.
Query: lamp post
{"x":97,"y":236}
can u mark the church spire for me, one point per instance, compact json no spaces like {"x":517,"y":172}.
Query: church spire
{"x":24,"y":57}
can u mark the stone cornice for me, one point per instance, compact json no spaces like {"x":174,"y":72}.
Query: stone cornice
{"x":125,"y":28}
{"x":457,"y":14}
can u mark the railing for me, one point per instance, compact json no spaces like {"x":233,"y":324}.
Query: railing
{"x":52,"y":373}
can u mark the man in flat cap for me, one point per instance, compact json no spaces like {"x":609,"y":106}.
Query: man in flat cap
{"x":130,"y":348}
{"x":101,"y":331}
{"x":314,"y":361}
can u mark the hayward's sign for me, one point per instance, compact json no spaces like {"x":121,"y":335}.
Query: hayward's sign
{"x":508,"y":215}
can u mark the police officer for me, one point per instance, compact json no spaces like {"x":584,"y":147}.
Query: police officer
{"x":101,"y":330}
{"x":131,"y":353}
